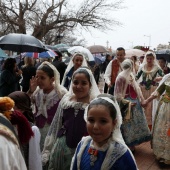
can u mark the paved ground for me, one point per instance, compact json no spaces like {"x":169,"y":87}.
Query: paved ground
{"x":145,"y":158}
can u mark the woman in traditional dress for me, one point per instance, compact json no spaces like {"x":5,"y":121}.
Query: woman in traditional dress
{"x":161,"y":126}
{"x":46,"y":93}
{"x":68,"y":126}
{"x":76,"y":61}
{"x":127,"y":92}
{"x":150,"y":73}
{"x":104,"y":149}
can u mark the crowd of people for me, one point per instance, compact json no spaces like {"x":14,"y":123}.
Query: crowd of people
{"x":54,"y":117}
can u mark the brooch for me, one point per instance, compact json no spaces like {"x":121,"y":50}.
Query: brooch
{"x":93,"y":155}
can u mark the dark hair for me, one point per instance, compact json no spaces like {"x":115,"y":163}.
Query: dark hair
{"x":120,"y":49}
{"x":23,"y":102}
{"x":84,"y":71}
{"x":9,"y":64}
{"x":107,"y":56}
{"x":47,"y":69}
{"x":105,"y":103}
{"x":59,"y":55}
{"x":163,"y":59}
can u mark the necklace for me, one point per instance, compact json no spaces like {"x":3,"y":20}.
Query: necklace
{"x":93,"y":155}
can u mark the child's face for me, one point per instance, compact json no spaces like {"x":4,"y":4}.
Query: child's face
{"x":43,"y":80}
{"x":81,"y":86}
{"x":100,"y":125}
{"x":78,"y":60}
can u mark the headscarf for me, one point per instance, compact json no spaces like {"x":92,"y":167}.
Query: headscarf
{"x":155,"y":67}
{"x":94,"y":90}
{"x":123,"y":79}
{"x":71,"y":65}
{"x":59,"y":89}
{"x":116,"y":135}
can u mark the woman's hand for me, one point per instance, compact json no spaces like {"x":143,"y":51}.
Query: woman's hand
{"x":33,"y":84}
{"x":144,"y":103}
{"x":158,"y":79}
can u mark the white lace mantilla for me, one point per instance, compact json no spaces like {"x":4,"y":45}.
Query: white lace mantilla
{"x":114,"y":152}
{"x":45,"y":102}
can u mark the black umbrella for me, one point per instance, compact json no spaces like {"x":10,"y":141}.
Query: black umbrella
{"x":21,"y":43}
{"x":164,"y":53}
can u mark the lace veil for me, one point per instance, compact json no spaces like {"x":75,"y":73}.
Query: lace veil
{"x":71,"y":64}
{"x":124,"y":78}
{"x":59,"y":88}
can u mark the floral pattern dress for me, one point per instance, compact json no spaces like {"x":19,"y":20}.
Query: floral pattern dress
{"x":148,"y":86}
{"x":161,"y":128}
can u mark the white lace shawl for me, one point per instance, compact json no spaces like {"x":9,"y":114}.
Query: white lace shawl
{"x":114,"y":152}
{"x":128,"y":76}
{"x":57,"y":123}
{"x":44,"y":102}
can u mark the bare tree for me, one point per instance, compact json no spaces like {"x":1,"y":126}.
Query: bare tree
{"x":47,"y":19}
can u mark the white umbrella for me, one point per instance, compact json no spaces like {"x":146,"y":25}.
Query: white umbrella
{"x":79,"y":49}
{"x":134,"y":52}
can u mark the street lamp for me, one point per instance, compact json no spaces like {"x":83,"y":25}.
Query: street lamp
{"x":149,"y":36}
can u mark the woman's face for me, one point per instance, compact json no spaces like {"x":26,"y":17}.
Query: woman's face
{"x":150,"y":60}
{"x":100,"y":125}
{"x":43,"y":80}
{"x":81,"y":86}
{"x":78,"y":60}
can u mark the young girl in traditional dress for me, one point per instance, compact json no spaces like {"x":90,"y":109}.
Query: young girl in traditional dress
{"x":150,"y":74}
{"x":105,"y":148}
{"x":76,"y":61}
{"x":46,"y":94}
{"x":161,"y":126}
{"x":128,"y":93}
{"x":68,"y":126}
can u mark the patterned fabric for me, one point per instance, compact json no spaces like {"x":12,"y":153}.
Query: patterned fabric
{"x":43,"y":132}
{"x":61,"y":155}
{"x":135,"y":131}
{"x":148,"y":86}
{"x":161,"y":138}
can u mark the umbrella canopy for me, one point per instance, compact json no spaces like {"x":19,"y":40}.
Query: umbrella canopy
{"x":46,"y":54}
{"x":21,"y":43}
{"x":164,"y":53}
{"x":3,"y":54}
{"x":134,"y":52}
{"x":62,"y":47}
{"x":52,"y":48}
{"x":99,"y":58}
{"x":79,"y":49}
{"x":97,"y":49}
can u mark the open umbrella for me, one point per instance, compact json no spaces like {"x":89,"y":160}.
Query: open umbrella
{"x":21,"y":43}
{"x":79,"y":49}
{"x":46,"y":54}
{"x":134,"y":52}
{"x":97,"y":49}
{"x":165,"y":53}
{"x":62,"y":47}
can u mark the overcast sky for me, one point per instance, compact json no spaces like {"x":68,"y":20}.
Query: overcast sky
{"x":139,"y":18}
